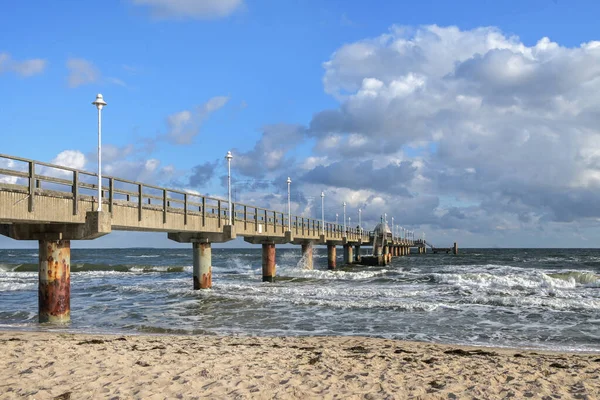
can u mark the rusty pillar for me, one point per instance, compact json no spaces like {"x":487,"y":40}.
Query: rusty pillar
{"x":202,"y":256}
{"x":357,"y":254}
{"x":348,"y":258}
{"x":268,"y":262}
{"x":331,"y":256}
{"x":307,"y":255}
{"x":54,"y":292}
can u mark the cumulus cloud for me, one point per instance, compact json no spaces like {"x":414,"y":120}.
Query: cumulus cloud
{"x":24,"y":68}
{"x":185,"y":125}
{"x":270,"y":152}
{"x":471,"y":132}
{"x":197,"y":9}
{"x":509,"y":129}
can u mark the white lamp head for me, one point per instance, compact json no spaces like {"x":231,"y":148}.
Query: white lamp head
{"x":289,"y":180}
{"x":99,"y":101}
{"x":228,"y":156}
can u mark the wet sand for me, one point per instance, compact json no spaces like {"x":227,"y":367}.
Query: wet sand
{"x":45,"y":365}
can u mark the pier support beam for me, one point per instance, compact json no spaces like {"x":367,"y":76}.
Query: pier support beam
{"x":202,"y":252}
{"x":348,"y":258}
{"x":54,"y":291}
{"x":307,"y":254}
{"x":268,"y":262}
{"x":331,"y":256}
{"x":357,"y":254}
{"x":202,"y":256}
{"x":54,"y":241}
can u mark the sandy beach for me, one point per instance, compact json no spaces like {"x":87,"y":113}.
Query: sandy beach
{"x":45,"y":365}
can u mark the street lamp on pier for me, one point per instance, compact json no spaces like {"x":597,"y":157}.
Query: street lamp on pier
{"x":359,"y":221}
{"x":99,"y":103}
{"x":344,"y":218}
{"x":228,"y":157}
{"x":289,"y":181}
{"x":323,"y":213}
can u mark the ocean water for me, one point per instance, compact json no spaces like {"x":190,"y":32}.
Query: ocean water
{"x":520,"y":298}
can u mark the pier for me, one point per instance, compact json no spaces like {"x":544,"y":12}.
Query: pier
{"x":55,"y":205}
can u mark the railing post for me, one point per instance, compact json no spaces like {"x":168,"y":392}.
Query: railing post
{"x":232,"y":212}
{"x":219,"y":211}
{"x":164,"y":206}
{"x":302,"y":226}
{"x":245,"y":217}
{"x":111,"y":194}
{"x":274,"y":221}
{"x":255,"y":219}
{"x":203,"y":211}
{"x":31,"y":186}
{"x":185,"y":201}
{"x":75,"y":192}
{"x":140,"y":201}
{"x":266,"y":222}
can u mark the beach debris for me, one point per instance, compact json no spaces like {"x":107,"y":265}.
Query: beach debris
{"x":558,"y":365}
{"x":92,"y":341}
{"x":142,"y":363}
{"x":478,"y":352}
{"x":430,"y":360}
{"x":315,"y":359}
{"x":358,"y":349}
{"x":64,"y":396}
{"x":437,"y":384}
{"x":399,"y":351}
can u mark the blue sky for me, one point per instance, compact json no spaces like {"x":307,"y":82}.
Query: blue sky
{"x":312,"y":88}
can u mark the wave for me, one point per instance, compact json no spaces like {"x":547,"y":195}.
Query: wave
{"x":96,"y":267}
{"x":528,"y":280}
{"x":578,"y":277}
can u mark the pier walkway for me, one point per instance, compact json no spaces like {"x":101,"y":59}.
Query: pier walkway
{"x":54,"y":205}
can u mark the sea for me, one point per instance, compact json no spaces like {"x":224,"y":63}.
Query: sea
{"x":546,"y":299}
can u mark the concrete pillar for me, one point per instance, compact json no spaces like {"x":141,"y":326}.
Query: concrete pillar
{"x":331,"y":256}
{"x":357,"y":254}
{"x":348,"y":258}
{"x":54,"y":291}
{"x":202,"y":256}
{"x":268,"y":262}
{"x":455,"y":248}
{"x":307,"y":255}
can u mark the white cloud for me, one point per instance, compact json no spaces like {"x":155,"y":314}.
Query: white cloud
{"x":185,"y":125}
{"x":198,"y":9}
{"x":70,"y":158}
{"x":24,"y":68}
{"x":81,"y":72}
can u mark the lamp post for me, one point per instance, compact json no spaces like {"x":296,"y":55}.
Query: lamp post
{"x":229,"y":157}
{"x":336,"y":219}
{"x":349,"y":223}
{"x":344,"y":218}
{"x":322,"y":213}
{"x":359,"y":221}
{"x":289,"y":181}
{"x":99,"y":103}
{"x":392,"y":228}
